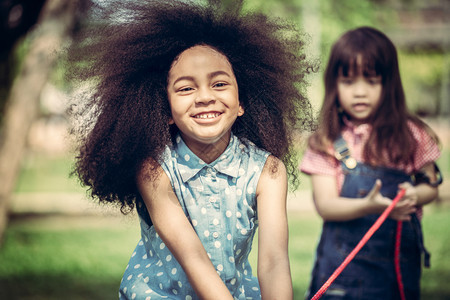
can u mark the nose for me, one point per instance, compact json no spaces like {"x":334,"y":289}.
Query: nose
{"x":360,"y":88}
{"x":204,"y":96}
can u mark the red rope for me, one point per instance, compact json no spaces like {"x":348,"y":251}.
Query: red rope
{"x":398,"y":240}
{"x":358,"y":247}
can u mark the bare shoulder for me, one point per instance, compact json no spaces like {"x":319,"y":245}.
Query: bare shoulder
{"x":151,"y":175}
{"x":273,"y":175}
{"x":273,"y":168}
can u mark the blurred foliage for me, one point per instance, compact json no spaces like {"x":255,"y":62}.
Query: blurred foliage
{"x":9,"y":67}
{"x":422,"y":70}
{"x":16,"y":19}
{"x":43,"y":173}
{"x":58,"y":76}
{"x":422,"y":80}
{"x":335,"y":17}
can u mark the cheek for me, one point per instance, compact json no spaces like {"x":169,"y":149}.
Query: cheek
{"x":341,"y":96}
{"x":340,"y":92}
{"x":175,"y":111}
{"x":378,"y":93}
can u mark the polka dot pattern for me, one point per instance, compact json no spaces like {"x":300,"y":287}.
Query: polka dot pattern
{"x":219,"y":200}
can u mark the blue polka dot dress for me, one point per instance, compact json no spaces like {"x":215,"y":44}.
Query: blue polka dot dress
{"x":219,"y":201}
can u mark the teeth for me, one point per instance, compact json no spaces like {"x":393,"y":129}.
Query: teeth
{"x":207,"y":116}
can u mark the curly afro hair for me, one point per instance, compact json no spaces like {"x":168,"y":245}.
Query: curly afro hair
{"x":125,"y":51}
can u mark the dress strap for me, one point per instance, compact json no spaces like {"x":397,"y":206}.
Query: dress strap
{"x":342,"y":153}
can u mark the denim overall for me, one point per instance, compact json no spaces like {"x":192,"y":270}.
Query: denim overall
{"x":371,"y":274}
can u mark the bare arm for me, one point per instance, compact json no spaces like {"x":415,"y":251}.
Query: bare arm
{"x":331,"y":207}
{"x":274,"y":273}
{"x":177,"y":233}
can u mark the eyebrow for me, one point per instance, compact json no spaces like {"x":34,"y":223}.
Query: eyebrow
{"x":210,"y":76}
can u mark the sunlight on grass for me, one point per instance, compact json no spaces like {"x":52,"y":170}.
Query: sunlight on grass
{"x":45,"y":257}
{"x":65,"y":257}
{"x":62,"y":257}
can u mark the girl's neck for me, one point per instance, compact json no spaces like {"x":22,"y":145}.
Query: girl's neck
{"x":355,"y":123}
{"x":209,"y":152}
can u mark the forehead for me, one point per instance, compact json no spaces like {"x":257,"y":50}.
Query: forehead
{"x":200,"y":56}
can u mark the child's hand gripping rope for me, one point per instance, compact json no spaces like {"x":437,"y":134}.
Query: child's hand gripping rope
{"x":363,"y":241}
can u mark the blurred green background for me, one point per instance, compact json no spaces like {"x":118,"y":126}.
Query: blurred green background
{"x":59,"y":244}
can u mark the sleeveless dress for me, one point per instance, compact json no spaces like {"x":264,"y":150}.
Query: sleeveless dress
{"x":219,"y":201}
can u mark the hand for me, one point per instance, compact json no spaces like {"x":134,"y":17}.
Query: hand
{"x":375,"y":199}
{"x":402,"y":210}
{"x":407,"y":204}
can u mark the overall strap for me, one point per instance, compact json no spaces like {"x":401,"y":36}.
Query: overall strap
{"x":342,"y":153}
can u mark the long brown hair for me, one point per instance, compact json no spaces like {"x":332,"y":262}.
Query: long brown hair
{"x":390,"y":131}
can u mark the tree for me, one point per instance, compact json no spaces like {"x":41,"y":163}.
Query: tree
{"x":55,"y":24}
{"x":16,"y":18}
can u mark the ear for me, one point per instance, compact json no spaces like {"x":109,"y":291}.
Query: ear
{"x":241,"y":111}
{"x":171,"y":121}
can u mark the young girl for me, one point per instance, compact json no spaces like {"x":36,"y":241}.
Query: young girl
{"x":366,"y":148}
{"x":190,"y":121}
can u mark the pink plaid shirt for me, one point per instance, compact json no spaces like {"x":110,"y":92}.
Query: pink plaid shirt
{"x":356,"y":137}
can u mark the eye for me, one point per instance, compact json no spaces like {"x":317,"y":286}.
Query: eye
{"x":374,"y":80}
{"x":220,"y":84}
{"x":185,"y":89}
{"x":346,"y":80}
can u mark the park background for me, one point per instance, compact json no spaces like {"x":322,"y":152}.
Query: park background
{"x":60,"y":244}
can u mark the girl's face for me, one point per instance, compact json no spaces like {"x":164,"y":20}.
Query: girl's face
{"x":359,"y":95}
{"x":203,"y":97}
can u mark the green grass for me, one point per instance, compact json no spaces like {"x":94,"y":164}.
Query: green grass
{"x":84,"y":258}
{"x":46,"y":173}
{"x":436,"y":223}
{"x":65,"y":258}
{"x":62,"y":257}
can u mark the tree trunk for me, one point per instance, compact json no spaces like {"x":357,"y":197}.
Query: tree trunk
{"x":54,"y":25}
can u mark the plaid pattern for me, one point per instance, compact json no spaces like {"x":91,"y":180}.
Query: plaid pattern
{"x":356,"y":137}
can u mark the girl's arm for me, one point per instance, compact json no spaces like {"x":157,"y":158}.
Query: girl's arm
{"x":274,"y":273}
{"x":422,"y":193}
{"x":177,"y":233}
{"x":331,"y":207}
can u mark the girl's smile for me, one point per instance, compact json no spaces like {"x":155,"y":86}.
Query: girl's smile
{"x":204,"y":100}
{"x":208,"y":115}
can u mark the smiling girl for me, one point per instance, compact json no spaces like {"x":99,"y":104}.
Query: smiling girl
{"x":190,"y":122}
